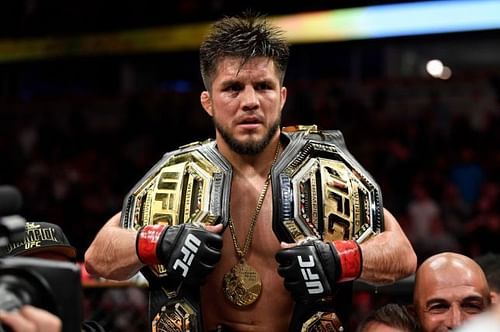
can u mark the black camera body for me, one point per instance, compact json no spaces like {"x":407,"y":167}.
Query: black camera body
{"x":51,"y":285}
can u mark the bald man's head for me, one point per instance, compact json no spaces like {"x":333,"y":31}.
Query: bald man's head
{"x":449,"y":288}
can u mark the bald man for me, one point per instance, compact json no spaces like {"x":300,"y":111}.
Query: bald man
{"x":449,"y":289}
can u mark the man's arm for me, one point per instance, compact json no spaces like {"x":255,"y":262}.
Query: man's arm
{"x":389,"y":255}
{"x":118,"y":253}
{"x":313,"y":268}
{"x":112,"y":253}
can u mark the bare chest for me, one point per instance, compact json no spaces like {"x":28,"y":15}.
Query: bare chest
{"x":264,"y":245}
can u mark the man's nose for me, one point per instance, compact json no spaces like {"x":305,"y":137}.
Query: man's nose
{"x":455,"y":317}
{"x":249,"y":98}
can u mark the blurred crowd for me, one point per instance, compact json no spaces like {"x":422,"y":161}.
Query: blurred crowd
{"x":431,"y":145}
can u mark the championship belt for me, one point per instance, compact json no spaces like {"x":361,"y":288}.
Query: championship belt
{"x":320,"y":191}
{"x":189,"y":185}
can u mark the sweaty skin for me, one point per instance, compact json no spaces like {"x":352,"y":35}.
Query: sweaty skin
{"x":449,"y":289}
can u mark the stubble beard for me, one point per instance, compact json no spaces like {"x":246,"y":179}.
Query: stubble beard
{"x":250,"y":147}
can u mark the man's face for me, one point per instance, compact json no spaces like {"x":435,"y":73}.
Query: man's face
{"x":445,"y":299}
{"x":245,"y":103}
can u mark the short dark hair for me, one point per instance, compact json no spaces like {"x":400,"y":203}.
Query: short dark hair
{"x":246,"y":36}
{"x":494,"y":280}
{"x":393,"y":315}
{"x":490,"y":263}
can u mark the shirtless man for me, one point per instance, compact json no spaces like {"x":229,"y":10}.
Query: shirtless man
{"x":243,"y":63}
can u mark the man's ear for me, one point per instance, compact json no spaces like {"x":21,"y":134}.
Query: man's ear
{"x":206,"y":102}
{"x":283,"y":93}
{"x":495,"y":298}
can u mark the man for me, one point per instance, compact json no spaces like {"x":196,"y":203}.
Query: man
{"x":391,"y":317}
{"x":243,"y":62}
{"x":449,"y":289}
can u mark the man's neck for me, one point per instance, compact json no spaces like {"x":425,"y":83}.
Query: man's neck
{"x":250,"y":165}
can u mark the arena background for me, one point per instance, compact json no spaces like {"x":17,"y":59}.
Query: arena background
{"x":80,"y":124}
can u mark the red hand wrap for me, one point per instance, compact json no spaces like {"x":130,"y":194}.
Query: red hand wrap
{"x":146,"y":243}
{"x":350,"y":259}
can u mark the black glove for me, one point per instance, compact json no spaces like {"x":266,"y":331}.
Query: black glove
{"x":312,"y":269}
{"x":187,"y":251}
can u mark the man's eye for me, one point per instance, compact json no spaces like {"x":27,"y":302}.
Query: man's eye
{"x":438,"y":308}
{"x":472,"y":308}
{"x":263,"y":86}
{"x":233,"y":88}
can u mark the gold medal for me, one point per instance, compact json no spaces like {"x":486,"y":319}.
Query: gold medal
{"x":242,"y":285}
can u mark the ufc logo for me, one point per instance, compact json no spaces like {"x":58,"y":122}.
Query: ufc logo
{"x":313,"y":284}
{"x":188,"y":251}
{"x":32,"y":244}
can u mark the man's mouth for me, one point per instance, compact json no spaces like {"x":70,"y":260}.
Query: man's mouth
{"x":247,"y":121}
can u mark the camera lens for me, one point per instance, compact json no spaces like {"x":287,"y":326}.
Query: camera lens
{"x":19,"y":287}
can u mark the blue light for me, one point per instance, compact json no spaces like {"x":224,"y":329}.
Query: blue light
{"x":430,"y":17}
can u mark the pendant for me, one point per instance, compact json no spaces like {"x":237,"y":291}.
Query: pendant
{"x":242,"y":285}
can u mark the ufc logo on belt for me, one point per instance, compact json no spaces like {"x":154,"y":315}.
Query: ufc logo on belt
{"x":313,"y":284}
{"x":188,"y":250}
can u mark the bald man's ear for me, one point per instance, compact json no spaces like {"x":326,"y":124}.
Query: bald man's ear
{"x":206,"y":102}
{"x":494,"y":297}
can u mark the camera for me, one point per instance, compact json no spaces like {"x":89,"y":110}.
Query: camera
{"x":52,"y":285}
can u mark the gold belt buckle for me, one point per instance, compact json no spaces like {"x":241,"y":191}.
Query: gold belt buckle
{"x":321,"y":191}
{"x":177,"y":317}
{"x":323,"y":321}
{"x":188,"y":185}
